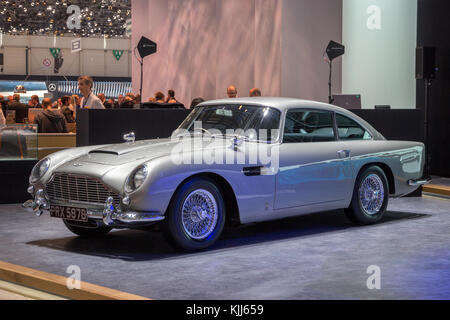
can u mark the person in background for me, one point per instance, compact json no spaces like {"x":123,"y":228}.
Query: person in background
{"x":232,"y":91}
{"x":76,"y":101}
{"x":2,"y":118}
{"x":50,"y":121}
{"x":89,"y":100}
{"x":195,"y":102}
{"x":74,"y":104}
{"x":137,"y":99}
{"x":255,"y":92}
{"x":171,"y":97}
{"x":66,"y":111}
{"x":20,"y":108}
{"x":120,"y":99}
{"x":151,"y":99}
{"x":111,"y":103}
{"x":34,"y":102}
{"x":159,"y":97}
{"x":128,"y":102}
{"x":3,"y":104}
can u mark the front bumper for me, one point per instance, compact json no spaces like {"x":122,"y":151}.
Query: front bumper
{"x":110,"y":215}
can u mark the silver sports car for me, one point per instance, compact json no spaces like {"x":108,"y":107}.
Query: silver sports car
{"x":238,"y":160}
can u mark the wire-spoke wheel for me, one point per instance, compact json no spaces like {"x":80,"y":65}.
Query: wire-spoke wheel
{"x":199,"y":214}
{"x":370,"y":196}
{"x":196,"y":215}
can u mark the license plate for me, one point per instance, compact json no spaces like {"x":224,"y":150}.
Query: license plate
{"x":69,"y":213}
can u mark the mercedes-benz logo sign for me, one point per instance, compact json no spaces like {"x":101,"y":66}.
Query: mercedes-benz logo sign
{"x":52,"y":87}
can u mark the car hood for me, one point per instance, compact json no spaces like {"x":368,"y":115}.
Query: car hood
{"x":118,"y":154}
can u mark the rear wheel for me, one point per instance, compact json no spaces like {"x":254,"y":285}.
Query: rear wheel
{"x":196,"y":215}
{"x":87,"y":232}
{"x":370,"y":196}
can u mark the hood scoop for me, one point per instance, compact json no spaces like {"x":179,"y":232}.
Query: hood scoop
{"x":115,"y":153}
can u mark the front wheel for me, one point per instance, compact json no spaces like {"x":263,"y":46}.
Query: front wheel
{"x":370,"y":197}
{"x":196,"y":215}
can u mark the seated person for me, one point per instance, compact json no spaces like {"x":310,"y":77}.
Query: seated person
{"x":128,"y":102}
{"x":159,"y":97}
{"x":171,"y":97}
{"x":50,"y":121}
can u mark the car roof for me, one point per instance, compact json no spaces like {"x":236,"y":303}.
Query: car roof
{"x":283,"y":104}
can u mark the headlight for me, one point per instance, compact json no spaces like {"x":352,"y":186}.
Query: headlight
{"x":39,"y":170}
{"x":136,"y":179}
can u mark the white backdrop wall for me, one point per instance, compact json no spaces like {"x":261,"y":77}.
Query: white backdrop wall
{"x":95,"y":59}
{"x":379,"y":63}
{"x":205,"y":45}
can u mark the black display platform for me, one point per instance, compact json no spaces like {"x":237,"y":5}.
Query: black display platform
{"x":14,"y":180}
{"x":95,"y":127}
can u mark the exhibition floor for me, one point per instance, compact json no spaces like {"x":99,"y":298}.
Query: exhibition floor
{"x":319,"y":256}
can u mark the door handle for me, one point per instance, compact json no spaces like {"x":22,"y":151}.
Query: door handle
{"x":343,"y":154}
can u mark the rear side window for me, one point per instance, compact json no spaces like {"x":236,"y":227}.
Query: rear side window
{"x":349,"y":129}
{"x":308,"y":126}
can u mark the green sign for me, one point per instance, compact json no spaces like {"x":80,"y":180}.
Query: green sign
{"x":55,"y":52}
{"x":118,"y":54}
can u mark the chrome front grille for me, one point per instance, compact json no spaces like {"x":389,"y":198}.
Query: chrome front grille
{"x":68,"y":187}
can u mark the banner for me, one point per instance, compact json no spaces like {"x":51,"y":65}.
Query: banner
{"x":118,"y":54}
{"x":55,"y":52}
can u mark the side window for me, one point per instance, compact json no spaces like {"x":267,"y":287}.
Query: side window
{"x":348,"y":129}
{"x":308,"y":126}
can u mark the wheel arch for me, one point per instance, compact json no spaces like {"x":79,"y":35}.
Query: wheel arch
{"x":229,"y":196}
{"x":387,"y":172}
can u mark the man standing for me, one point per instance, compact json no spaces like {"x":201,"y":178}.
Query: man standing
{"x":50,"y":121}
{"x":3,"y":104}
{"x":232,"y":91}
{"x":34,"y":102}
{"x":89,"y":100}
{"x":20,"y":108}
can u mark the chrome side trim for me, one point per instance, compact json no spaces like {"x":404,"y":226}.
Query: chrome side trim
{"x":419,"y":182}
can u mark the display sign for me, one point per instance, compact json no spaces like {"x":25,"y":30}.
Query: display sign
{"x":76,"y":45}
{"x":47,"y":62}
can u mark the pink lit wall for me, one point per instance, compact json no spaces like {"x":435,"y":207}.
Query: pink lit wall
{"x":205,"y":45}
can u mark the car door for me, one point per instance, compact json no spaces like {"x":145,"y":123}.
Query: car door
{"x":313,"y":165}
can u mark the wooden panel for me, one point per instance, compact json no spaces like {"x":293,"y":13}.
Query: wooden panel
{"x":57,"y":285}
{"x":437,"y":189}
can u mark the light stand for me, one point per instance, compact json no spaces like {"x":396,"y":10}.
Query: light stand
{"x":332,"y":51}
{"x":145,"y":48}
{"x":330,"y":97}
{"x":428,"y":83}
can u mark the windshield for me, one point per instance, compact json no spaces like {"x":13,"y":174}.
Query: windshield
{"x":254,"y":123}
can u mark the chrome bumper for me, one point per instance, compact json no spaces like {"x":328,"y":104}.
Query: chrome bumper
{"x":419,"y":182}
{"x":110,"y":215}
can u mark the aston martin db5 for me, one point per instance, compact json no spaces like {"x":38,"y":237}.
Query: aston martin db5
{"x":236,"y":160}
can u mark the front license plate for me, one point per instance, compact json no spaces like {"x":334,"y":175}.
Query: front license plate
{"x":69,"y":213}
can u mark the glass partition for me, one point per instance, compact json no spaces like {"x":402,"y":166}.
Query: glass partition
{"x":18,"y":142}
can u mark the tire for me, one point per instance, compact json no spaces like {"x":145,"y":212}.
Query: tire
{"x":88,"y":232}
{"x":370,"y":197}
{"x":204,"y":215}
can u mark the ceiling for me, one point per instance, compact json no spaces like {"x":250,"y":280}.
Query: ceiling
{"x":97,"y":18}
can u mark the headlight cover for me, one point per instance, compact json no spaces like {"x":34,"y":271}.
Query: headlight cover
{"x":136,"y":179}
{"x":39,"y":170}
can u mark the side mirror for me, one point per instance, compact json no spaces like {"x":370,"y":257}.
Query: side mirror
{"x":129,"y":137}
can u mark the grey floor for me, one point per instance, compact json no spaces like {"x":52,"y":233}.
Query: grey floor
{"x":320,"y":256}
